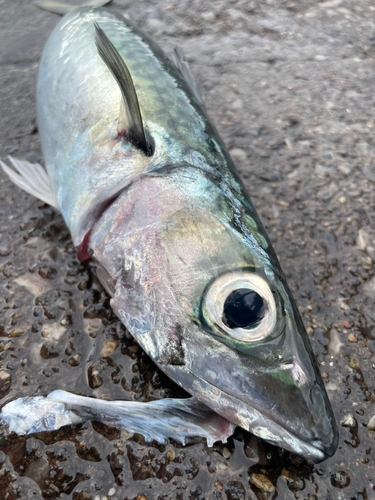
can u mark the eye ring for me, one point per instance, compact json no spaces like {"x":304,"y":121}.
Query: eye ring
{"x":219,"y":291}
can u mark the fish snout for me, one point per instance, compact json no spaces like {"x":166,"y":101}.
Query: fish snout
{"x":324,"y":430}
{"x":286,"y":404}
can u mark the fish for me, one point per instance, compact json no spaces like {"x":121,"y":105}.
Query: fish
{"x":150,"y":193}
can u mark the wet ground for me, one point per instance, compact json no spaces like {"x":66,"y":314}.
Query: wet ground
{"x":290,"y":86}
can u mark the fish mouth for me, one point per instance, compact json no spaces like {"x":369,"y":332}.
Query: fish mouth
{"x":245,"y":415}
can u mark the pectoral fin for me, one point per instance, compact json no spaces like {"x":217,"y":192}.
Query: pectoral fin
{"x":32,"y":178}
{"x":158,"y":420}
{"x":130,"y":114}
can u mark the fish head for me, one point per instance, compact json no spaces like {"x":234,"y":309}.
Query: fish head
{"x":200,"y":288}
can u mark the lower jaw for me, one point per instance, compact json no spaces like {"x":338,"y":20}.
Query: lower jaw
{"x":243,"y":414}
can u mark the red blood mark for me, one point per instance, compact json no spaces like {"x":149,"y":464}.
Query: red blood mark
{"x":121,"y":134}
{"x":346,"y":324}
{"x":83,"y":250}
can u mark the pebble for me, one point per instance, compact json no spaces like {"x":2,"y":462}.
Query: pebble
{"x":237,"y":104}
{"x":218,"y":485}
{"x":111,"y":492}
{"x":345,"y":169}
{"x":226,"y":453}
{"x":91,"y":325}
{"x":352,"y":338}
{"x":354,"y":364}
{"x":335,"y":343}
{"x":33,"y":283}
{"x":170,"y":454}
{"x":340,"y":479}
{"x":4,"y":375}
{"x":74,"y":360}
{"x":222,"y":466}
{"x":238,"y":154}
{"x":262,"y":482}
{"x":252,"y":449}
{"x":346,"y":324}
{"x":288,"y":143}
{"x":208,"y":16}
{"x":371,"y":424}
{"x":17,"y":332}
{"x":321,"y":170}
{"x":155,"y":25}
{"x":348,"y":421}
{"x":363,"y":239}
{"x":96,"y":381}
{"x":109,"y":348}
{"x":331,"y":387}
{"x":53,"y":331}
{"x":66,"y":320}
{"x":4,"y":250}
{"x":369,"y":288}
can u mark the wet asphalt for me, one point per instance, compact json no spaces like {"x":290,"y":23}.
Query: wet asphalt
{"x":290,"y":87}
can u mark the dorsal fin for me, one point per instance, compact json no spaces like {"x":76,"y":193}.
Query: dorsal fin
{"x":178,"y":59}
{"x":132,"y":118}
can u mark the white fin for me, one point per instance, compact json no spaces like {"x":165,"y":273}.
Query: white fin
{"x":62,"y":8}
{"x":38,"y":414}
{"x":32,"y":178}
{"x":166,"y":418}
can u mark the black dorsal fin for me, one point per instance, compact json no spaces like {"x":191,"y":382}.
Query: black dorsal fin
{"x":132,"y":118}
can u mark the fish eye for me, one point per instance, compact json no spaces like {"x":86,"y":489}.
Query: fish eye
{"x":240,"y":304}
{"x":243,"y":308}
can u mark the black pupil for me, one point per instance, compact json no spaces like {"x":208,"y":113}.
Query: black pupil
{"x":243,"y":308}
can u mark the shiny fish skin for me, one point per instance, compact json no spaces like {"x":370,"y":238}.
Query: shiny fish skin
{"x":78,"y":104}
{"x":166,"y":229}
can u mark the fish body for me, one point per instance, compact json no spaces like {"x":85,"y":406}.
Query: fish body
{"x":178,"y":243}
